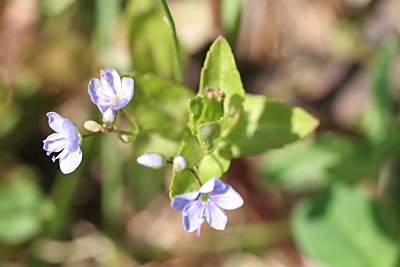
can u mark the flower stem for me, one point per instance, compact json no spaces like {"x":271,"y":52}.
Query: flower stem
{"x":191,"y":169}
{"x":91,"y":134}
{"x":177,"y":59}
{"x":195,"y":175}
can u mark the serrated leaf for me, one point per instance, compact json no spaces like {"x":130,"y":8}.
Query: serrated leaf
{"x":160,"y":106}
{"x":269,"y":124}
{"x":220,"y":72}
{"x":344,"y":227}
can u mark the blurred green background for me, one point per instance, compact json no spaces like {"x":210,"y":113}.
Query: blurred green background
{"x":330,"y":200}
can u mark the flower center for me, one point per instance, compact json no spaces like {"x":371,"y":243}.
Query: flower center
{"x":205,"y":197}
{"x":115,"y":99}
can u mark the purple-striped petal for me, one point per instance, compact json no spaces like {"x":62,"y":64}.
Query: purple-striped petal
{"x":179,"y":202}
{"x":193,"y":216}
{"x":215,"y":216}
{"x":111,"y":79}
{"x":229,"y":200}
{"x":127,"y":89}
{"x":54,"y":143}
{"x":56,"y":121}
{"x":99,"y":94}
{"x":71,"y":133}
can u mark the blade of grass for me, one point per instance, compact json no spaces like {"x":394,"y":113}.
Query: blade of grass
{"x":177,"y":58}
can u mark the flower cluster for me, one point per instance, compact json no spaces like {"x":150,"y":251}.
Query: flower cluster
{"x":110,"y":94}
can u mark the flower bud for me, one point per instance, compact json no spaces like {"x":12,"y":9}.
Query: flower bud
{"x":179,"y":164}
{"x":92,"y":126}
{"x":151,"y":160}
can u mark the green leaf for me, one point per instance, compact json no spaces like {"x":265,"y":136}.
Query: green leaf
{"x":206,"y":114}
{"x":160,"y":106}
{"x":204,"y":109}
{"x":311,"y":164}
{"x":344,"y":227}
{"x":220,"y":72}
{"x":214,"y":164}
{"x":23,"y":207}
{"x":150,"y":40}
{"x":380,"y":115}
{"x":269,"y":124}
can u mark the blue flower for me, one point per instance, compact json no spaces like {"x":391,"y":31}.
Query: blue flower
{"x":66,"y":140}
{"x":109,"y":93}
{"x":209,"y":202}
{"x":151,"y":160}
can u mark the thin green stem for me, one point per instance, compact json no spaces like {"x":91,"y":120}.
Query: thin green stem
{"x":177,"y":58}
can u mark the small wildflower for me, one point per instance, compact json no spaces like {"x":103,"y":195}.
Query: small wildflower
{"x":151,"y":160}
{"x":66,"y":140}
{"x":110,"y":93}
{"x":207,"y":203}
{"x":179,"y":163}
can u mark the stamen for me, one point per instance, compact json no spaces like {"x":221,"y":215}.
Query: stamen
{"x":198,"y":233}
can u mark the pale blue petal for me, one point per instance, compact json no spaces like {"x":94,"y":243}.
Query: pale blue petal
{"x":208,"y":187}
{"x":215,"y":216}
{"x":70,"y":161}
{"x":112,"y":78}
{"x":71,"y":132}
{"x":55,"y":121}
{"x":151,"y":160}
{"x":54,"y":143}
{"x":229,"y":200}
{"x":109,"y":115}
{"x":193,"y":216}
{"x":104,"y":108}
{"x":179,"y":202}
{"x":127,"y":89}
{"x":98,"y":93}
{"x":121,"y":103}
{"x":220,"y":187}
